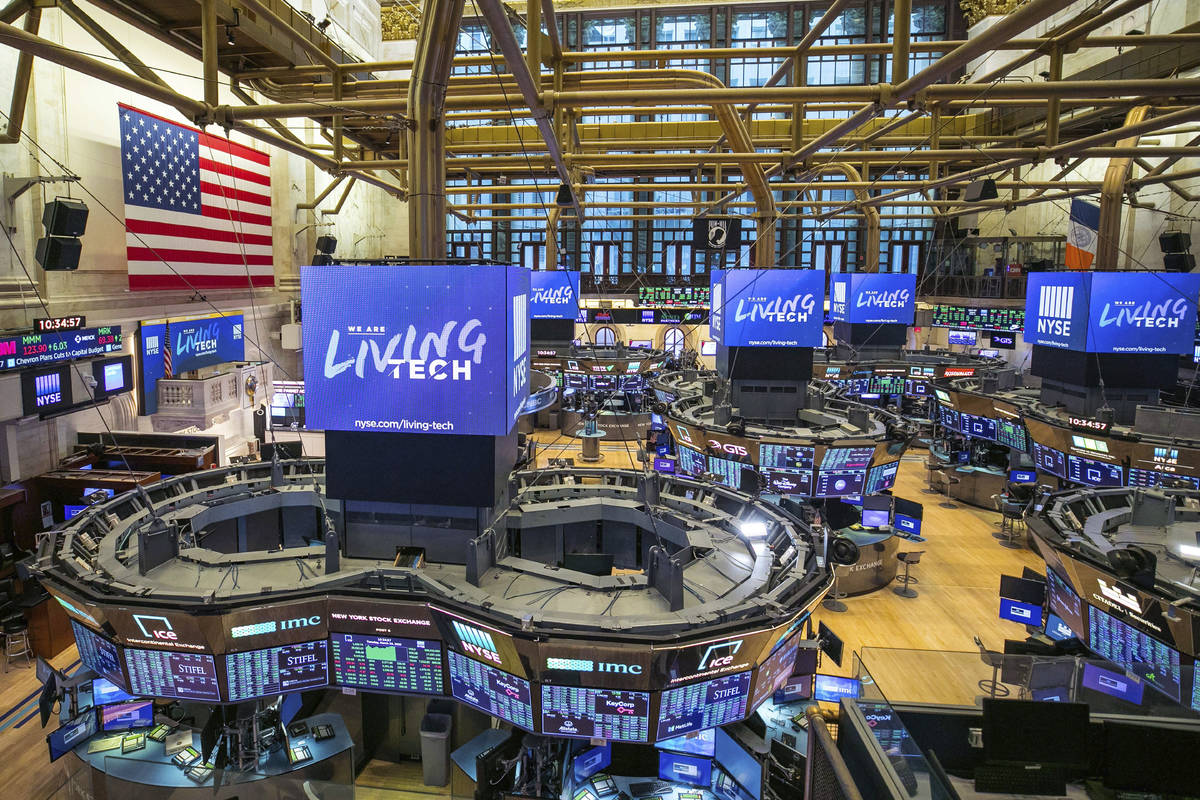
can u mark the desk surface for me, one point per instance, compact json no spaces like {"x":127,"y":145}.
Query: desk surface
{"x":623,"y":783}
{"x":153,"y":767}
{"x":863,"y":536}
{"x":984,"y":470}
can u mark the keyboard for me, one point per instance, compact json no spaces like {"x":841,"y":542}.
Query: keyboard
{"x":1020,"y":779}
{"x":649,"y":788}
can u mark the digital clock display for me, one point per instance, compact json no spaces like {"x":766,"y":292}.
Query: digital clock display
{"x":43,"y":325}
{"x":1087,"y":424}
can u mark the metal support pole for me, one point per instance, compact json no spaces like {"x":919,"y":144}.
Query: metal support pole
{"x":901,"y":28}
{"x":20,"y":95}
{"x":208,"y":51}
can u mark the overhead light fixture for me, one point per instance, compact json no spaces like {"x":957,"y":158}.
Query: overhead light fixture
{"x":754,"y":529}
{"x":229,"y":28}
{"x":564,"y":198}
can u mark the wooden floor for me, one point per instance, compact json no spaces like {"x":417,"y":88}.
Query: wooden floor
{"x":959,"y":578}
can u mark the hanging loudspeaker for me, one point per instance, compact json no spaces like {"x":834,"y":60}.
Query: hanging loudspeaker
{"x":1179,"y":262}
{"x":843,"y":551}
{"x":326,"y":244}
{"x":1174,"y":242}
{"x":58,"y":252}
{"x":322,"y":260}
{"x":980,"y":190}
{"x":65,"y":217}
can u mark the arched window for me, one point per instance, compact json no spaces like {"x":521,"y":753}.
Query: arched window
{"x":605,"y":337}
{"x":673,"y":341}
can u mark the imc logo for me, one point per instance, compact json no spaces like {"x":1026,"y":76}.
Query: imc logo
{"x":719,"y":656}
{"x":157,"y":627}
{"x":586,"y":665}
{"x":1055,"y":304}
{"x":476,"y":642}
{"x":47,"y":390}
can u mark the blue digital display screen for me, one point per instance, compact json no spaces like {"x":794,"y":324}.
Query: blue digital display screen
{"x":553,"y":294}
{"x":1094,"y":473}
{"x":664,"y":465}
{"x":701,"y":743}
{"x":768,"y":308}
{"x":591,"y":761}
{"x":978,"y":427}
{"x":847,"y":457}
{"x":1154,"y":662}
{"x":707,"y":704}
{"x":907,"y":524}
{"x":277,"y":670}
{"x":873,"y":297}
{"x":105,"y":691}
{"x":71,"y":734}
{"x":127,"y":716}
{"x":195,"y":343}
{"x":386,"y":664}
{"x":967,"y":338}
{"x":397,"y":349}
{"x":1064,"y":603}
{"x":948,"y":418}
{"x":98,"y":654}
{"x":581,"y":712}
{"x":788,"y":481}
{"x":1024,"y":613}
{"x":1050,"y":460}
{"x":491,"y":690}
{"x":684,"y":769}
{"x":1112,"y":312}
{"x":184,"y":676}
{"x":741,"y":765}
{"x":839,"y":483}
{"x":882,"y":477}
{"x":691,"y":462}
{"x":1022,"y":476}
{"x":1114,"y":684}
{"x":1058,"y":630}
{"x":37,"y":349}
{"x":832,"y":688}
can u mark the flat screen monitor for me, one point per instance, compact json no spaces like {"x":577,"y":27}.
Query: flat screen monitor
{"x":798,"y":687}
{"x":98,"y":653}
{"x":909,"y":508}
{"x":1048,"y":459}
{"x":105,"y":692}
{"x":839,"y":483}
{"x":832,"y":688}
{"x":1061,"y":738}
{"x":277,"y":670}
{"x":1058,"y":630}
{"x":708,"y":347}
{"x":113,"y":376}
{"x":775,"y":670}
{"x":989,"y":353}
{"x":126,"y":716}
{"x":641,"y":344}
{"x":591,"y":761}
{"x":966,"y":338}
{"x":1025,"y":590}
{"x":741,"y":765}
{"x":881,"y":478}
{"x":875,"y":519}
{"x":1024,"y":613}
{"x":1146,"y":757}
{"x":1113,"y":684}
{"x":387,"y":664}
{"x":490,"y":690}
{"x":707,"y":704}
{"x":1022,"y":476}
{"x":71,"y":512}
{"x":831,"y":645}
{"x":1120,"y":643}
{"x":70,"y":734}
{"x":699,"y":743}
{"x":1064,"y":603}
{"x":680,"y":768}
{"x":611,"y":714}
{"x":184,"y":676}
{"x":664,"y":465}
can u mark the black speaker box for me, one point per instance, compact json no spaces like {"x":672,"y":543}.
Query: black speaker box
{"x":326,"y":244}
{"x":321,"y":260}
{"x":58,"y":252}
{"x":1175,"y":242}
{"x":1179,"y":262}
{"x":980,"y":190}
{"x":65,"y":217}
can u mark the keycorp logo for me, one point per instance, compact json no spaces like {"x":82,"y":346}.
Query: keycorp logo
{"x":1121,"y":598}
{"x":476,"y":642}
{"x":1055,"y":304}
{"x":156,"y":627}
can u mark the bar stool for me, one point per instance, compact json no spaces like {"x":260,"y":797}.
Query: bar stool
{"x":948,"y":474}
{"x":907,"y":559}
{"x":16,"y":634}
{"x":995,"y":660}
{"x":933,"y":466}
{"x":1012,"y":514}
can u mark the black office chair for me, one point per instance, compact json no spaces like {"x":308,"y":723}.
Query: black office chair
{"x":995,"y":660}
{"x":1012,"y":514}
{"x":907,"y":559}
{"x":13,"y":625}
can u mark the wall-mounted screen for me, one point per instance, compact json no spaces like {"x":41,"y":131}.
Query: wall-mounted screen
{"x":491,"y":691}
{"x":386,"y":664}
{"x":553,"y":294}
{"x":277,"y":670}
{"x":685,"y":769}
{"x":966,"y":338}
{"x":39,"y":349}
{"x":194,"y":343}
{"x":113,"y":376}
{"x":184,"y":676}
{"x":703,"y":705}
{"x":98,"y":653}
{"x":610,"y":714}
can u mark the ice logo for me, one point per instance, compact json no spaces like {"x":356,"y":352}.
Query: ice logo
{"x":777,"y":309}
{"x":1144,"y":314}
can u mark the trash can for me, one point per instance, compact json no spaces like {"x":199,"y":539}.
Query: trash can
{"x":435,"y":749}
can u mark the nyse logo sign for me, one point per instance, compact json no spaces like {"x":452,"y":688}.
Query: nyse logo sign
{"x":476,"y":642}
{"x":520,"y":335}
{"x":1056,"y":305}
{"x":838,"y":305}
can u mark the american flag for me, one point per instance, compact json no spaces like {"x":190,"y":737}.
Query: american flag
{"x":168,"y":367}
{"x":197,"y":207}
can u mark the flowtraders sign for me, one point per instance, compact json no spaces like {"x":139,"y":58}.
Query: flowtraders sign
{"x":553,"y":294}
{"x":1113,"y":312}
{"x":195,"y":343}
{"x":873,"y":298}
{"x":770,"y":308}
{"x":398,"y":348}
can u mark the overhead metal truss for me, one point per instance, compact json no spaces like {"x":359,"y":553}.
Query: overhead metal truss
{"x":405,"y":134}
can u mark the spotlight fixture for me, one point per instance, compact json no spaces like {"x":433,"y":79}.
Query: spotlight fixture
{"x":564,"y":198}
{"x":237,"y":21}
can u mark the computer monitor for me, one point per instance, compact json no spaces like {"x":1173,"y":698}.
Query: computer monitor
{"x":832,"y":688}
{"x":125,"y":716}
{"x":907,"y":524}
{"x":1113,"y":684}
{"x":1061,"y":732}
{"x":70,"y":734}
{"x":692,"y":770}
{"x":1023,"y":590}
{"x":1022,"y":476}
{"x":1150,"y":757}
{"x":591,"y":761}
{"x":872,"y":518}
{"x":708,"y":347}
{"x":1024,"y":613}
{"x":1058,"y":630}
{"x":698,"y":743}
{"x":105,"y":692}
{"x":741,"y":765}
{"x":831,"y":645}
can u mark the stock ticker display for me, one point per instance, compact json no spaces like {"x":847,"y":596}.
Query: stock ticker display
{"x":276,"y":670}
{"x":184,"y":676}
{"x":707,"y":704}
{"x":596,"y":713}
{"x":491,"y":691}
{"x":775,"y":671}
{"x":988,"y":319}
{"x":1122,"y":644}
{"x":98,"y":653}
{"x":386,"y":664}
